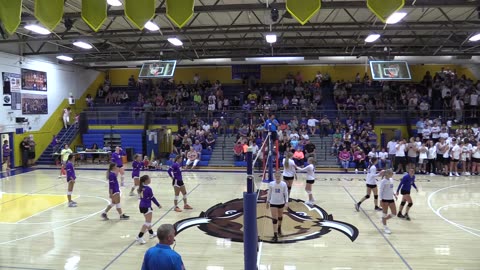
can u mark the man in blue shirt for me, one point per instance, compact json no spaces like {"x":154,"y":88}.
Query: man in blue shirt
{"x":161,"y":256}
{"x":271,"y":125}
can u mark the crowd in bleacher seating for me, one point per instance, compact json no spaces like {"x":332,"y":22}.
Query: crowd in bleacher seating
{"x":443,"y":94}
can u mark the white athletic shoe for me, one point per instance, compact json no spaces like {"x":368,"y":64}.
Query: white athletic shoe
{"x":364,"y":171}
{"x":356,"y":171}
{"x":72,"y":204}
{"x":467,"y":174}
{"x":456,"y":174}
{"x":387,"y":230}
{"x":450,"y":174}
{"x":141,"y":241}
{"x":153,"y":235}
{"x":432,"y":174}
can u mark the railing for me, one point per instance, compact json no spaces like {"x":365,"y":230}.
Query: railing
{"x":61,"y":141}
{"x":169,"y":117}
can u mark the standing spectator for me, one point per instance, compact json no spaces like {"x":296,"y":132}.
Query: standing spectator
{"x":31,"y":151}
{"x":24,"y":147}
{"x":131,"y":81}
{"x":6,"y":156}
{"x":66,"y":116}
{"x":162,"y":256}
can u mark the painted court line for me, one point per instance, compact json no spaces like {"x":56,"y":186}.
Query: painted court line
{"x":380,"y":232}
{"x":437,"y":211}
{"x":43,"y":211}
{"x":135,"y":241}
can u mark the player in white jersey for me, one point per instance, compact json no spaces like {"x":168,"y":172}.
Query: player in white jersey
{"x":310,"y":169}
{"x":277,"y":200}
{"x":387,"y":196}
{"x":289,"y":170}
{"x":371,"y":185}
{"x":455,"y":153}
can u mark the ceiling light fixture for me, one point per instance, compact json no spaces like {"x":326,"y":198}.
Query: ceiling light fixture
{"x":37,"y":29}
{"x":396,"y":17}
{"x":152,"y":26}
{"x":475,"y":38}
{"x":83,"y":45}
{"x":271,"y":38}
{"x":175,"y":41}
{"x":372,"y":37}
{"x":115,"y":3}
{"x":64,"y":58}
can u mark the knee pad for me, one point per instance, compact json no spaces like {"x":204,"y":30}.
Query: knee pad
{"x":384,"y":215}
{"x":118,"y":205}
{"x":410,"y":204}
{"x":111,"y":205}
{"x":185,"y":196}
{"x":403,"y":203}
{"x":375,"y":197}
{"x":69,"y":193}
{"x":176,"y":198}
{"x":274,"y":221}
{"x":147,"y":224}
{"x":367,"y":196}
{"x":280,"y":218}
{"x":308,"y":192}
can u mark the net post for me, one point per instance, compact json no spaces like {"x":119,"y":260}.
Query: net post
{"x":250,"y":231}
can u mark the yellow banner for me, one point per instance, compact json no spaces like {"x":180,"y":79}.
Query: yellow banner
{"x":94,"y":13}
{"x":384,"y":8}
{"x":49,"y":12}
{"x":180,"y":11}
{"x":11,"y":14}
{"x":303,"y":10}
{"x":139,"y":12}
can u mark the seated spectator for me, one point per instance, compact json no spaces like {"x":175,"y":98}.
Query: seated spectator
{"x":210,"y":141}
{"x":197,"y":146}
{"x":299,"y":157}
{"x":124,"y":97}
{"x":131,"y":81}
{"x":359,"y":159}
{"x":309,"y":148}
{"x":238,"y":151}
{"x":344,"y":157}
{"x":192,"y":159}
{"x":335,"y":147}
{"x":89,"y":101}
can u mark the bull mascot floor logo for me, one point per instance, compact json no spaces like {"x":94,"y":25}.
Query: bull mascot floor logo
{"x":300,"y":222}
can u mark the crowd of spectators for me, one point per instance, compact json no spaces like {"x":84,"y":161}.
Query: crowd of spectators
{"x":443,"y":94}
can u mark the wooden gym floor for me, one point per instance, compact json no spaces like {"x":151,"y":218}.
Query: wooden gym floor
{"x":39,"y":231}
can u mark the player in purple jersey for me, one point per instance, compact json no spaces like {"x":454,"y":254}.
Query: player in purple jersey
{"x":114,"y":192}
{"x":71,"y":177}
{"x":146,"y":199}
{"x":178,"y":186}
{"x":137,"y":165}
{"x":117,"y":159}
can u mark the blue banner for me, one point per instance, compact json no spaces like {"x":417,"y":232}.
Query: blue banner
{"x":244,"y":72}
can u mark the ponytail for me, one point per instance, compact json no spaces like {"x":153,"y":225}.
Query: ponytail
{"x":287,"y":160}
{"x":142,"y":183}
{"x":110,"y":168}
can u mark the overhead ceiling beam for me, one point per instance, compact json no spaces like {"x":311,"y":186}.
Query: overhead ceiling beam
{"x":242,"y":29}
{"x":281,"y":6}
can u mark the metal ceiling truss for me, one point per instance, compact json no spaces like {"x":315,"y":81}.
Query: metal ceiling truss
{"x":445,"y":35}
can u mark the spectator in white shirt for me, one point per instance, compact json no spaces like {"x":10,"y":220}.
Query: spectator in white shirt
{"x":455,"y":153}
{"x":400,"y":159}
{"x":312,"y":123}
